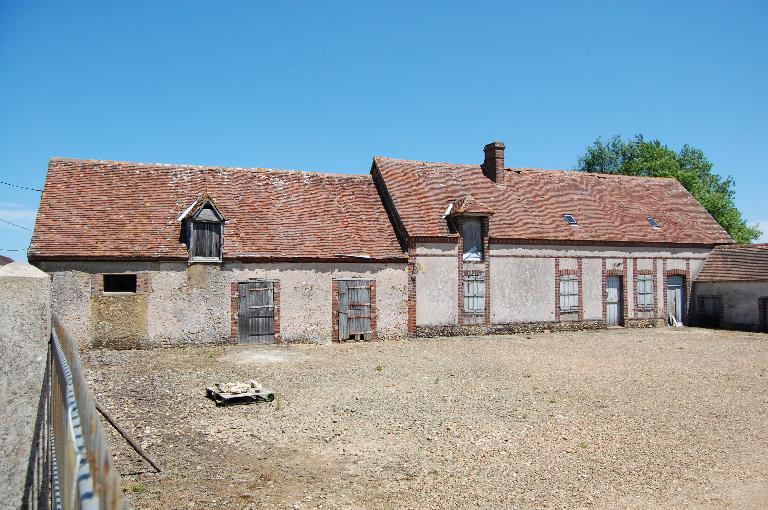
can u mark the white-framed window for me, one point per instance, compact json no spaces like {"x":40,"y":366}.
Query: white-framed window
{"x":645,"y":291}
{"x":472,"y":232}
{"x":569,"y":294}
{"x":474,"y":293}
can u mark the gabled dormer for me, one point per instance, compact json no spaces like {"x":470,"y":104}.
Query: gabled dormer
{"x":203,"y":230}
{"x":469,"y":217}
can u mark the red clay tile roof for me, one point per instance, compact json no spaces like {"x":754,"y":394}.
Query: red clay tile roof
{"x":532,"y":203}
{"x":736,"y":263}
{"x":468,"y":205}
{"x":105,"y":209}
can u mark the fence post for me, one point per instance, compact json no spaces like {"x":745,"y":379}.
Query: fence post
{"x":25,"y":329}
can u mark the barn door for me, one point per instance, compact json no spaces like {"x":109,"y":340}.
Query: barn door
{"x":710,"y":311}
{"x":354,"y":310}
{"x":256,"y":315}
{"x":613,"y":304}
{"x":675,"y":297}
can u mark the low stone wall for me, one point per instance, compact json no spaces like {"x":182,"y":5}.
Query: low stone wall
{"x":508,"y":329}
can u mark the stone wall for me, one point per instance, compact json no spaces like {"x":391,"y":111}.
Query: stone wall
{"x":740,"y":302}
{"x":25,"y":321}
{"x":523,"y":284}
{"x":188,"y":304}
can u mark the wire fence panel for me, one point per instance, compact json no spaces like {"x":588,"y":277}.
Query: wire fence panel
{"x":82,"y":473}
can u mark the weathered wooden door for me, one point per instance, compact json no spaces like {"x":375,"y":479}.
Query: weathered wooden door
{"x":256,"y":315}
{"x":613,"y":297}
{"x":710,"y":311}
{"x":354,"y":310}
{"x":675,"y":297}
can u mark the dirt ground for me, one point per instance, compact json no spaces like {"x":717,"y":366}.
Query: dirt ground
{"x":659,"y":418}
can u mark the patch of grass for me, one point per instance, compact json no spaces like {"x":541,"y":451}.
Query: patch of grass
{"x":138,"y":488}
{"x":379,"y":368}
{"x":553,"y":401}
{"x":279,"y":401}
{"x":527,"y":375}
{"x":437,"y":379}
{"x":581,"y":444}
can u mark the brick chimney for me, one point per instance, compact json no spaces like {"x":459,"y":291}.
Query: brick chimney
{"x":493,"y":165}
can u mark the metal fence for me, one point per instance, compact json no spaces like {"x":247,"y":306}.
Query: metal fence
{"x":81,"y":472}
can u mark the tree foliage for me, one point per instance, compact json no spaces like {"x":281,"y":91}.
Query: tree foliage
{"x":637,"y":156}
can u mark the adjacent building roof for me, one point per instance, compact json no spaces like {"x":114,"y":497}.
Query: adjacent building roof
{"x":5,"y":260}
{"x":736,"y":263}
{"x":106,"y":209}
{"x":529,"y":204}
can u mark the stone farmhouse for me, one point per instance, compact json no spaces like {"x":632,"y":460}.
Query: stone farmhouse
{"x":149,"y":254}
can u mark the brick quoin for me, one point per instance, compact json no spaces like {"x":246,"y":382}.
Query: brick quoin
{"x":335,"y":311}
{"x":374,"y":314}
{"x":234,"y":299}
{"x":411,"y":297}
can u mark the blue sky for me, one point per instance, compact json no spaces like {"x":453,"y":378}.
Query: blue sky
{"x":328,"y":85}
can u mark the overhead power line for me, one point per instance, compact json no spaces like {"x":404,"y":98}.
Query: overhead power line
{"x":15,"y":225}
{"x":11,"y":249}
{"x":20,"y":187}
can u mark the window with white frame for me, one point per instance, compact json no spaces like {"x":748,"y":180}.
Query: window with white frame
{"x":569,"y":294}
{"x":474,"y":294}
{"x":472,"y":232}
{"x":645,"y":291}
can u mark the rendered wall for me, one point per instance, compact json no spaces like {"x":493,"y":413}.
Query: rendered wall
{"x":522,"y":289}
{"x":740,"y":301}
{"x":183,"y":304}
{"x":436,"y":290}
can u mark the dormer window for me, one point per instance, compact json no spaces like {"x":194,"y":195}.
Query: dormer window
{"x":472,"y":232}
{"x":652,"y":222}
{"x":204,"y":226}
{"x":571,"y":219}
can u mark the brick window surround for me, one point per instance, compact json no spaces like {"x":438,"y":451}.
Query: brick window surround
{"x":635,"y":274}
{"x":374,"y":313}
{"x":686,"y":274}
{"x":235,"y":309}
{"x":569,"y":272}
{"x":465,"y":318}
{"x":615,"y":272}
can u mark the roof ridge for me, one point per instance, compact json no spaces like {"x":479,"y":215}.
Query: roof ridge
{"x":177,"y":166}
{"x":529,"y":169}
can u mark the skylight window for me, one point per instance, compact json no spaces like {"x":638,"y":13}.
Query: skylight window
{"x":653,"y":222}
{"x":570,"y":219}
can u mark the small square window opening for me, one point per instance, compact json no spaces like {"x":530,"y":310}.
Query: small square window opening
{"x":570,"y":219}
{"x":125,"y":283}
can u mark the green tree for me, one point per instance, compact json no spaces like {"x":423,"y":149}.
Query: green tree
{"x":637,"y":156}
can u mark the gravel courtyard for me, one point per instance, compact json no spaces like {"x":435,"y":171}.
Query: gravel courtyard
{"x":659,"y":418}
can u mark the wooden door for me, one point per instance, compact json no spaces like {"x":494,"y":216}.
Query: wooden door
{"x":710,"y":311}
{"x":354,"y":310}
{"x":675,"y":297}
{"x":613,"y":300}
{"x":256,"y":314}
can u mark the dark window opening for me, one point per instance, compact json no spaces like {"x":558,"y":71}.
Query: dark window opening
{"x":570,"y":219}
{"x":120,"y":283}
{"x":472,"y":231}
